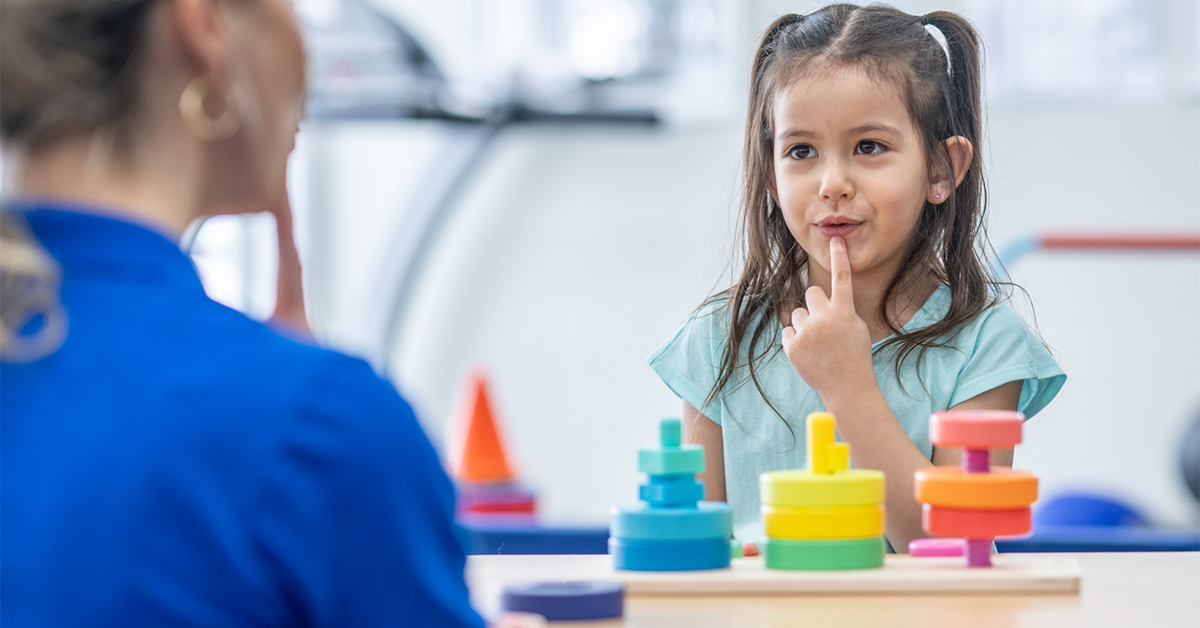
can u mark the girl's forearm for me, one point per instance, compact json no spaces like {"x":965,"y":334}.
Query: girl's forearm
{"x":866,"y":422}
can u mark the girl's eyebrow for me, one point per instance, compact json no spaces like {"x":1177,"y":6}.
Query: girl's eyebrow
{"x":874,"y":126}
{"x":858,"y":130}
{"x":796,"y":133}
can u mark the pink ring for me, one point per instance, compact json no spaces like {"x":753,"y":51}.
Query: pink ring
{"x":976,"y":429}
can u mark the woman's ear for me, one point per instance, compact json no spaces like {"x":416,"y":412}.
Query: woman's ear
{"x":202,"y":30}
{"x":961,"y":152}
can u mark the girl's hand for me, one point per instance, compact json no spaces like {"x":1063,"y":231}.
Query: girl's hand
{"x":828,"y":344}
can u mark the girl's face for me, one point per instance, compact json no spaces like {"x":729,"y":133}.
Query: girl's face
{"x":848,"y":162}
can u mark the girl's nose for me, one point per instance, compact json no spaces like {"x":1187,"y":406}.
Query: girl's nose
{"x":835,"y":185}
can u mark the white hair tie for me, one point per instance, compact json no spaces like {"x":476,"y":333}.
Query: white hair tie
{"x":940,"y":38}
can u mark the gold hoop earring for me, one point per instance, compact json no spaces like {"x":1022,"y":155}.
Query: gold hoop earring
{"x":191,"y":108}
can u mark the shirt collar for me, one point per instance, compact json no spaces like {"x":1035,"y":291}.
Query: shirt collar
{"x":82,"y":238}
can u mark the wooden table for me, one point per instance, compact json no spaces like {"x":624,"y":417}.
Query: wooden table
{"x":1126,"y":590}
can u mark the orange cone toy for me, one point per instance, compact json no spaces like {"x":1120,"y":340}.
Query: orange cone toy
{"x":482,"y":457}
{"x":487,"y":485}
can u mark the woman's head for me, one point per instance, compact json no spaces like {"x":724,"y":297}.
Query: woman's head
{"x":898,"y":118}
{"x":216,"y":84}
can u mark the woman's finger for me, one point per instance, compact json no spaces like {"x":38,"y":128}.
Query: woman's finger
{"x":289,"y":296}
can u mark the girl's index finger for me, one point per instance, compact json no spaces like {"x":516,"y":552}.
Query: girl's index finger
{"x":839,"y":268}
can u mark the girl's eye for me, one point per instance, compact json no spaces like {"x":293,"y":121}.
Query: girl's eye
{"x":803,"y":151}
{"x":868,"y":147}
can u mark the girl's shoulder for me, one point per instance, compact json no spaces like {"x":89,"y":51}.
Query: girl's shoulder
{"x":708,"y":326}
{"x":997,"y":347}
{"x":699,"y":333}
{"x":999,"y":322}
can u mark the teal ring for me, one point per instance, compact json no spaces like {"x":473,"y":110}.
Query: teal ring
{"x":642,"y":522}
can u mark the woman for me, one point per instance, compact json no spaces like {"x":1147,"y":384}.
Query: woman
{"x":165,"y":460}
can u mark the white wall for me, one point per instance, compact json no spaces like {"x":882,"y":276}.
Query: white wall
{"x":575,"y":251}
{"x":573,"y":255}
{"x":1126,"y":327}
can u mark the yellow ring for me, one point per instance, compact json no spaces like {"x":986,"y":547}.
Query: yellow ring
{"x":856,"y":487}
{"x":839,"y":522}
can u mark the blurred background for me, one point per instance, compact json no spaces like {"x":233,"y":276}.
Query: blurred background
{"x":545,"y":189}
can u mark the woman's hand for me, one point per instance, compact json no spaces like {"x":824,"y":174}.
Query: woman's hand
{"x":827,"y":343}
{"x":289,"y":295}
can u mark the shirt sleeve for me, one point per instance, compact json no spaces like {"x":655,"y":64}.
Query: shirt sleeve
{"x":1006,"y":351}
{"x":687,"y":361}
{"x":355,"y":517}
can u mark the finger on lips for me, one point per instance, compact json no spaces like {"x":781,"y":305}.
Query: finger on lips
{"x":839,"y":268}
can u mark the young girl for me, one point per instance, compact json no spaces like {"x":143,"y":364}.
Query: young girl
{"x":864,"y":291}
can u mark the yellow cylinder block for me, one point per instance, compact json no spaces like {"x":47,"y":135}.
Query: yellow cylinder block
{"x":837,"y":522}
{"x":797,"y":488}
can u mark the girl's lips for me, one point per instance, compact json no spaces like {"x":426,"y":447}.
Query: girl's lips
{"x":842,"y":229}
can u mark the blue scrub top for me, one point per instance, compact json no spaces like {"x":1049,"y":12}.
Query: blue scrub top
{"x":175,"y":463}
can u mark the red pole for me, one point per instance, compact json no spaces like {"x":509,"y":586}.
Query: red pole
{"x":1163,"y":242}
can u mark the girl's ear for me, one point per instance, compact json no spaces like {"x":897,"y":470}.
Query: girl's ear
{"x":961,"y":152}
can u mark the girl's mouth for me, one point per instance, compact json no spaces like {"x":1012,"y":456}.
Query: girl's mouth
{"x":837,"y":226}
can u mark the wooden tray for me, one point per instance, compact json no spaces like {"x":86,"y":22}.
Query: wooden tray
{"x":1024,"y":573}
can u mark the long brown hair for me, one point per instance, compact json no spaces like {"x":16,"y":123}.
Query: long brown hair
{"x":949,"y":242}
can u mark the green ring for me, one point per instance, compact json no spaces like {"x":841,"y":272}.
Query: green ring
{"x":825,"y":555}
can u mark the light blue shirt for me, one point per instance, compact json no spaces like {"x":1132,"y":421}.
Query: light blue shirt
{"x":993,"y":349}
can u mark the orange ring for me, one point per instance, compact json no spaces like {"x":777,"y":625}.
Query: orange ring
{"x":975,"y":524}
{"x":949,"y":487}
{"x":976,"y":429}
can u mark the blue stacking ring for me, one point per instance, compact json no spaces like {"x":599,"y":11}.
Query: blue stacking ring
{"x":558,"y":601}
{"x":669,"y":555}
{"x":642,"y":522}
{"x":672,"y":490}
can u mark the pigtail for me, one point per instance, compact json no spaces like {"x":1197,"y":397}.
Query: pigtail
{"x":961,"y":242}
{"x":962,"y":43}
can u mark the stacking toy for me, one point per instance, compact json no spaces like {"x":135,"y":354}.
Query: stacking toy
{"x":487,"y":486}
{"x":975,"y":502}
{"x":828,"y":517}
{"x":671,"y":528}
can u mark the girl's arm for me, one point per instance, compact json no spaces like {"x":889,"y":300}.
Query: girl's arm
{"x":1003,"y":397}
{"x":830,"y":347}
{"x":701,"y":430}
{"x":878,"y":442}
